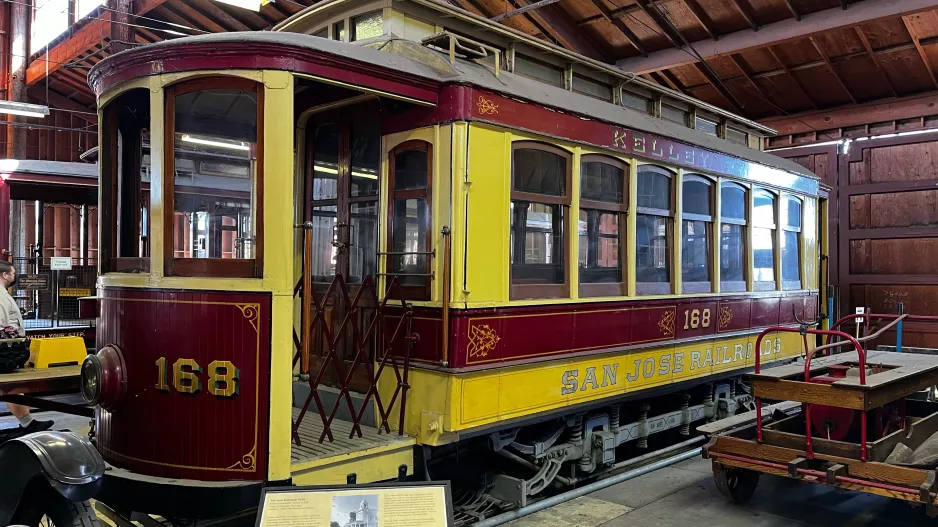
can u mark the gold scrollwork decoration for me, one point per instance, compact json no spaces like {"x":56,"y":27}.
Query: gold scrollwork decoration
{"x":482,"y":340}
{"x":666,"y":323}
{"x":487,"y":107}
{"x":250,"y":312}
{"x":248,"y":461}
{"x":726,"y":316}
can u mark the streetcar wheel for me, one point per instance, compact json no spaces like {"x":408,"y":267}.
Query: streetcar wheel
{"x":737,"y":484}
{"x":50,"y":509}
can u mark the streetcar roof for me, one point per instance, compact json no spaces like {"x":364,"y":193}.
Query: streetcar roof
{"x":471,"y":73}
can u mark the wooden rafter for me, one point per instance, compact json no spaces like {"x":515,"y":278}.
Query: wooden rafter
{"x":196,"y":17}
{"x":629,"y":34}
{"x":787,"y":70}
{"x":875,"y":59}
{"x":746,"y":11}
{"x":702,"y":17}
{"x":673,"y":81}
{"x":719,"y":86}
{"x":830,"y":65}
{"x":662,"y":22}
{"x":791,"y":7}
{"x":747,"y":73}
{"x":558,"y":24}
{"x":219,"y":15}
{"x":921,"y":51}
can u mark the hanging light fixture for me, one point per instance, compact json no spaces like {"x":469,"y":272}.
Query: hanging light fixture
{"x":24,"y":109}
{"x":253,"y":5}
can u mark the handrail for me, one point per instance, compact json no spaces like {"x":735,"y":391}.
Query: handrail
{"x":830,"y":345}
{"x":773,"y":329}
{"x":883,"y":316}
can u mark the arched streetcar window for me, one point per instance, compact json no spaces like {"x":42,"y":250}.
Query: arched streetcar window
{"x":540,"y":201}
{"x":653,"y":230}
{"x":696,"y":234}
{"x":791,"y":243}
{"x":733,"y":256}
{"x":603,"y":206}
{"x":763,"y":240}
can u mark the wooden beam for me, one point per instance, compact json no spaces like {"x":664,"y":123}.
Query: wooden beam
{"x":673,"y":81}
{"x":57,"y":100}
{"x":71,"y":48}
{"x":921,"y":51}
{"x":216,"y":13}
{"x":702,"y":17}
{"x":554,"y":21}
{"x":791,"y":7}
{"x":884,"y":110}
{"x":617,"y":13}
{"x":782,"y":31}
{"x":875,"y":59}
{"x":785,"y":68}
{"x":746,"y":11}
{"x":195,"y":17}
{"x":720,"y":87}
{"x":666,"y":27}
{"x":633,"y":38}
{"x":830,"y":65}
{"x":744,"y":68}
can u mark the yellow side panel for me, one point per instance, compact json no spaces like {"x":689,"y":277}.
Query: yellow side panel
{"x":809,"y":234}
{"x":371,"y":465}
{"x":489,"y":163}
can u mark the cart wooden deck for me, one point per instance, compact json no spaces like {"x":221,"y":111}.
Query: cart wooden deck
{"x":26,"y":385}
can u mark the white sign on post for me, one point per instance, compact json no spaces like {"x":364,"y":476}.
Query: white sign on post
{"x":61,"y":263}
{"x":859,"y":311}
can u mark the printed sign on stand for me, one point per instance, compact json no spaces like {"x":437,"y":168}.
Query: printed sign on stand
{"x":33,"y":282}
{"x":61,"y":263}
{"x":381,"y":505}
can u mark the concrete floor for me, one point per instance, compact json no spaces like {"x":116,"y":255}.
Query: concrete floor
{"x":684,"y":496}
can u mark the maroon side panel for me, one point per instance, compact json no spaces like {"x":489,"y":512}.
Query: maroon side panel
{"x":502,"y":335}
{"x":734,"y":315}
{"x":764,"y":312}
{"x":157,"y":430}
{"x":789,"y":308}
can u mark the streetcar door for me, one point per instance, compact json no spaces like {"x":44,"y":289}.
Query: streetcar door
{"x":342,"y":170}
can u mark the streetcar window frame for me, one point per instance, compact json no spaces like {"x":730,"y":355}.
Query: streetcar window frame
{"x":794,"y":230}
{"x":735,"y":286}
{"x":656,"y":287}
{"x":527,"y":288}
{"x":697,"y":286}
{"x":620,"y":208}
{"x":118,"y":163}
{"x":211,"y":267}
{"x":772,"y":227}
{"x":404,"y":290}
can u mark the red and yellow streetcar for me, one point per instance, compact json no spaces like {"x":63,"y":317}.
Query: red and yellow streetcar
{"x":338,"y":250}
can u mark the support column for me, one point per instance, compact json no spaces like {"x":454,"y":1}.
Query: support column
{"x":121,"y":30}
{"x":48,"y":231}
{"x":63,"y":230}
{"x":16,"y":135}
{"x":5,"y":252}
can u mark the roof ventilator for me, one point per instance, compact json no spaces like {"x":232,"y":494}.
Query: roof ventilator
{"x":457,"y":45}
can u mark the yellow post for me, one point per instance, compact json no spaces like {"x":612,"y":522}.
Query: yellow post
{"x":677,"y":259}
{"x":717,"y":234}
{"x":574,"y":223}
{"x":631,"y":229}
{"x":750,"y":254}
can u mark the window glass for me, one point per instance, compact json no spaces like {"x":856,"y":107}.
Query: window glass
{"x":653,"y":255}
{"x":592,"y":88}
{"x":791,"y":267}
{"x":696,"y":197}
{"x":763,"y":254}
{"x":695,"y":251}
{"x":214,"y":211}
{"x":636,"y":102}
{"x":366,"y":156}
{"x":539,"y":172}
{"x":325,"y":162}
{"x":599,"y":247}
{"x":367,"y":26}
{"x":735,"y":136}
{"x":537,"y":243}
{"x":322,"y":33}
{"x":363,"y":241}
{"x":410,"y":219}
{"x":654,"y":188}
{"x":410,"y":169}
{"x":601,"y":182}
{"x":733,"y":202}
{"x":732,"y":253}
{"x":707,"y":126}
{"x":127,"y":119}
{"x":763,"y":212}
{"x":538,"y":70}
{"x":338,"y":31}
{"x":674,"y":114}
{"x":793,"y":213}
{"x":324,"y":263}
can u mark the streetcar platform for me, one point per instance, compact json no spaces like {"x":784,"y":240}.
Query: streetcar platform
{"x":376,"y":456}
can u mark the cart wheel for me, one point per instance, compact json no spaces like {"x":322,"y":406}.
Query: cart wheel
{"x":47,"y":508}
{"x":737,"y":484}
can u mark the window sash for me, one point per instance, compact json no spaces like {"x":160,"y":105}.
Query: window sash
{"x":597,"y":288}
{"x":691,"y":285}
{"x":211,"y":267}
{"x":408,"y":289}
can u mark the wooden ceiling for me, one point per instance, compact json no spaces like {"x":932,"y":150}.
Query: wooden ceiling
{"x":768,"y":60}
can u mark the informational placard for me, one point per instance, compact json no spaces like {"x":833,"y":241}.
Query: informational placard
{"x":61,"y":263}
{"x":384,"y":505}
{"x":33,"y":282}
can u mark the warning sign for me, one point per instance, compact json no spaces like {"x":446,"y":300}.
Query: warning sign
{"x":74,"y":292}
